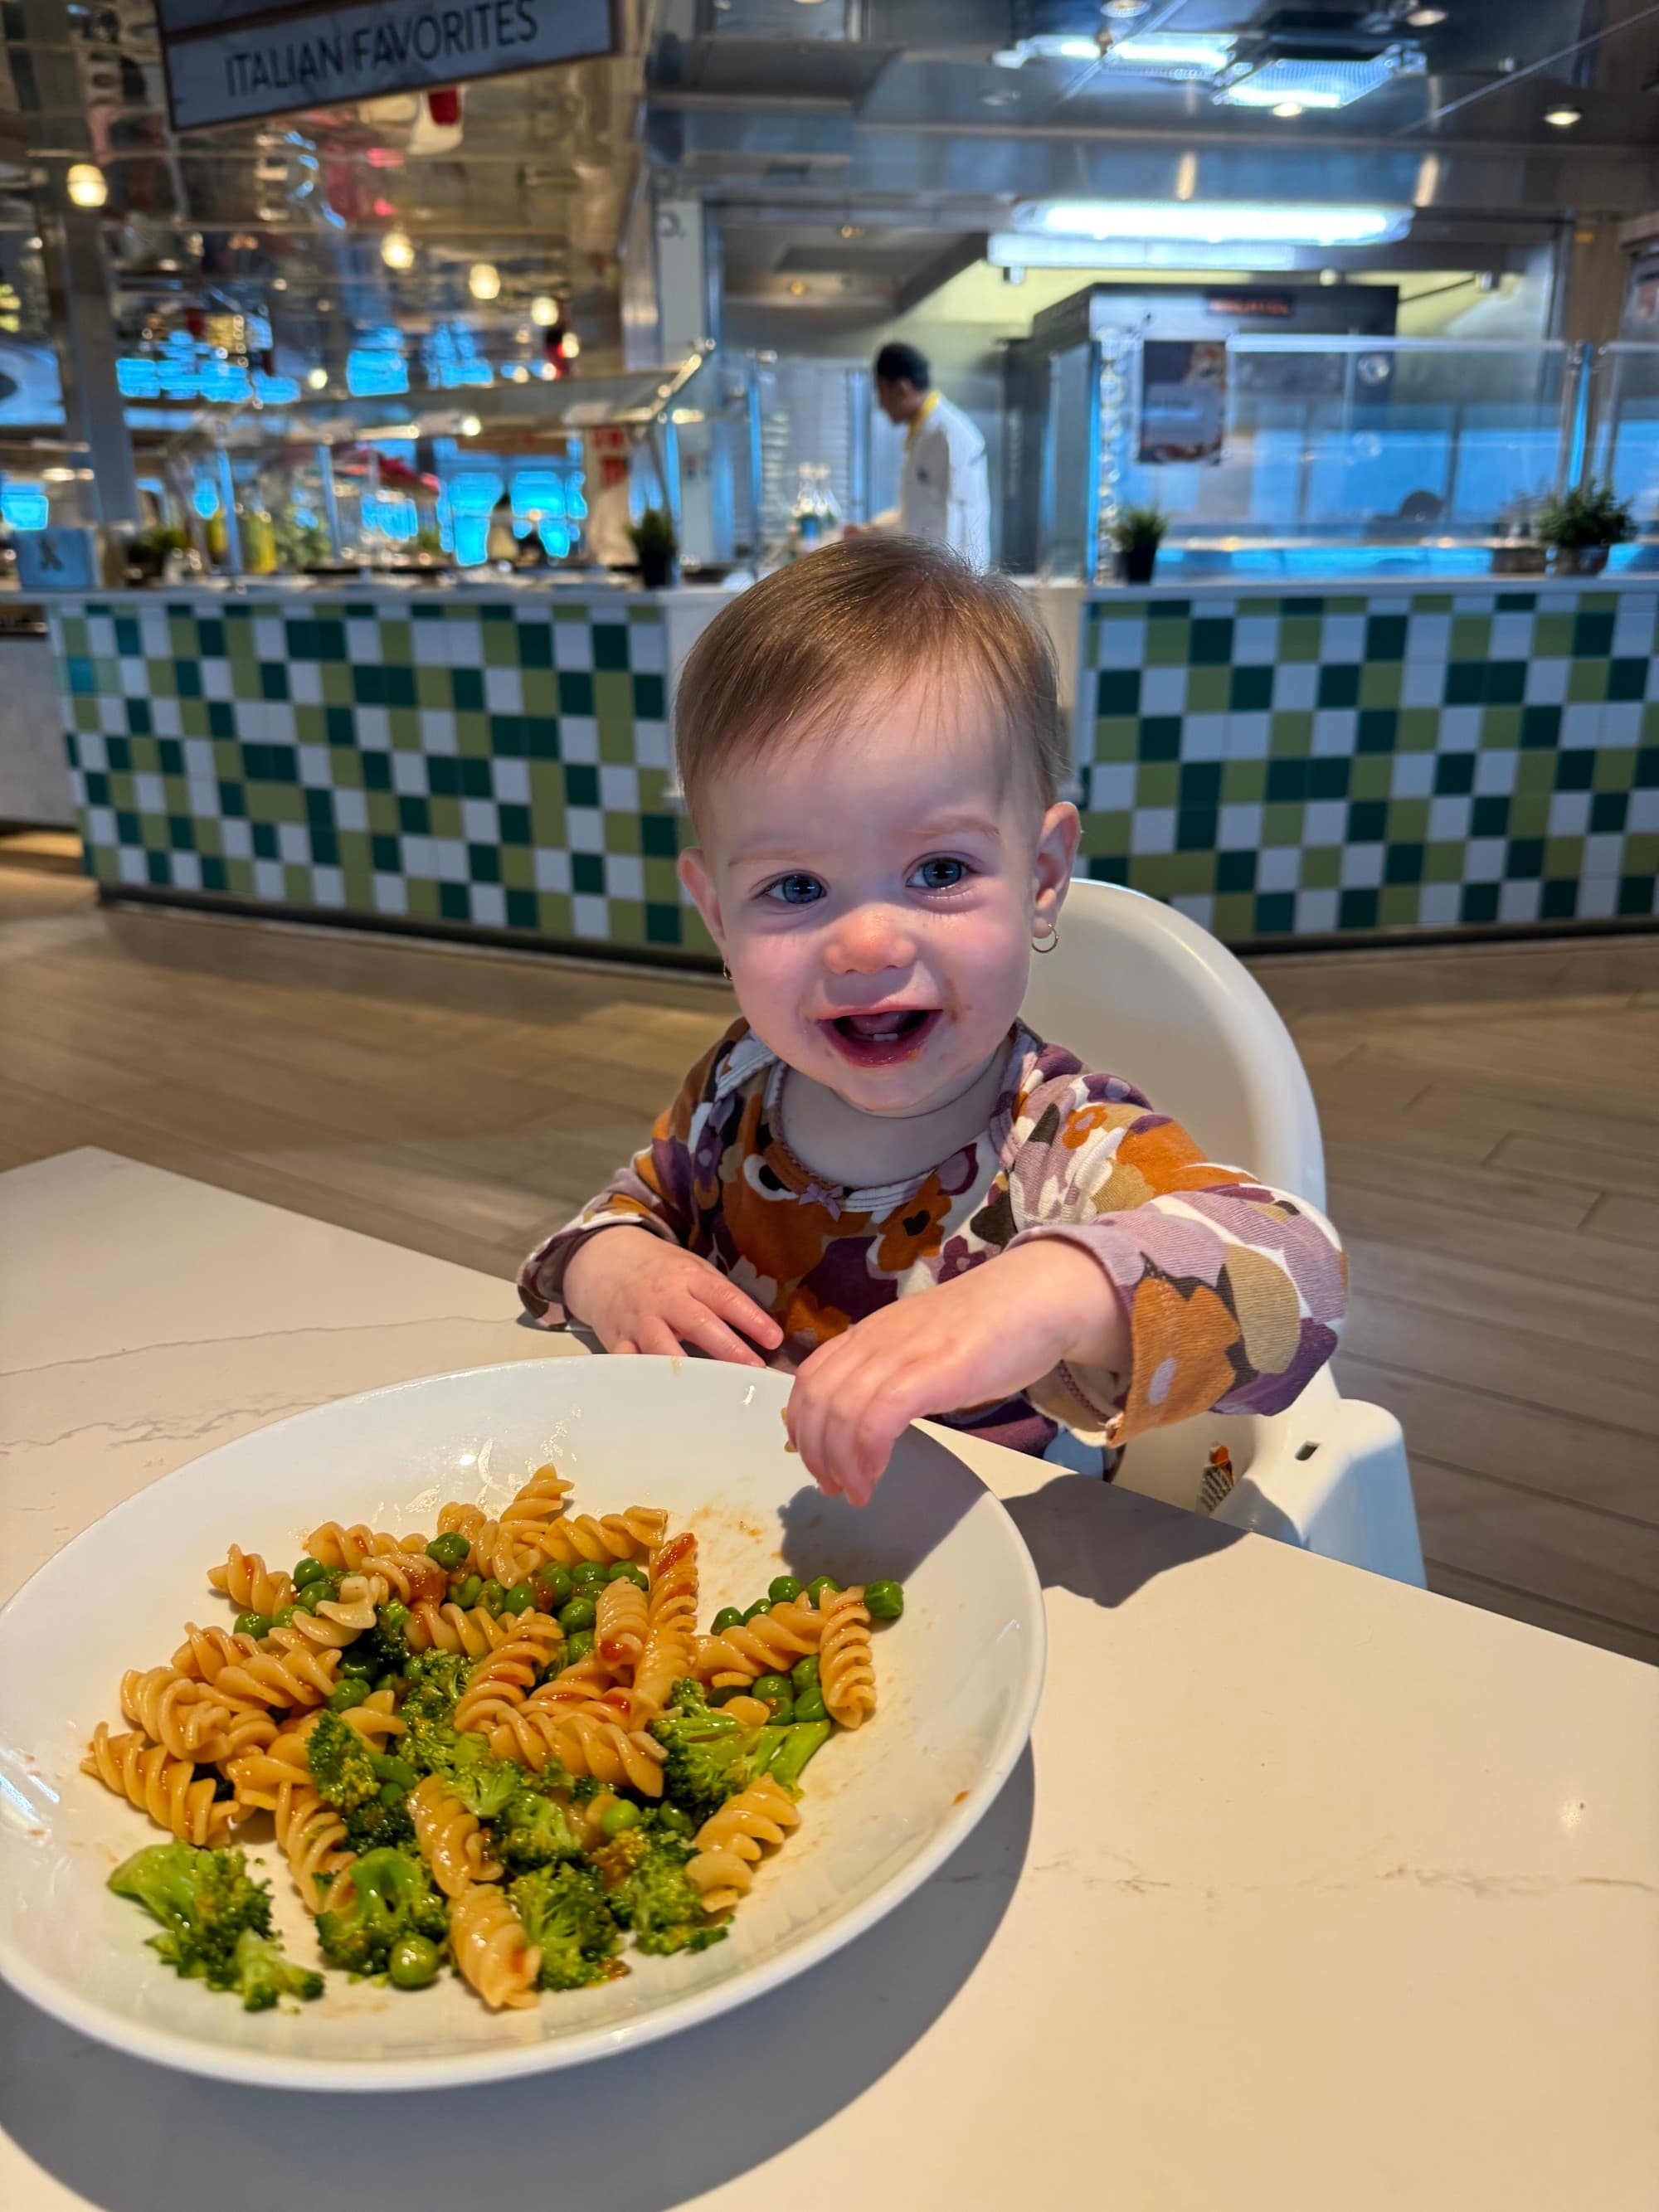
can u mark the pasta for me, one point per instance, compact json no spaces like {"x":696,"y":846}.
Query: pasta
{"x":846,"y":1659}
{"x":729,"y":1842}
{"x":491,"y":1948}
{"x":452,"y":1841}
{"x":509,"y":1748}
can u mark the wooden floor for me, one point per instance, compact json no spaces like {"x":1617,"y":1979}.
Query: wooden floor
{"x":1491,"y":1116}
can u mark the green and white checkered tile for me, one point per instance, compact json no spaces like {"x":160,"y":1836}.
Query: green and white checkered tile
{"x":503,"y":766}
{"x":1300,"y":764}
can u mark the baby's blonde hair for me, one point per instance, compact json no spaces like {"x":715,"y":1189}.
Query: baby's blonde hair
{"x":796,"y":651}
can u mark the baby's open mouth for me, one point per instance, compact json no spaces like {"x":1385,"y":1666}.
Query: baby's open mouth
{"x":878,"y":1040}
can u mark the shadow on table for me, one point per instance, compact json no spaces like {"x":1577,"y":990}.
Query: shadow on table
{"x":640,"y":2133}
{"x":1103,"y":1543}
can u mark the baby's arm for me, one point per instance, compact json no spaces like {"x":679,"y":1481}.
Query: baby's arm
{"x":1141,"y":1284}
{"x":647,"y":1292}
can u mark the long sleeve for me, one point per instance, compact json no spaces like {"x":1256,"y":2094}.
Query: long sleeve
{"x":1235,"y":1292}
{"x":656,"y":1191}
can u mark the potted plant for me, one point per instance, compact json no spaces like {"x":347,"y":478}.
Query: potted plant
{"x":1137,"y":533}
{"x":1583,"y":525}
{"x":656,"y":544}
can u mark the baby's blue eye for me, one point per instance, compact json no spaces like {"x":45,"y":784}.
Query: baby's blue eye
{"x":941,"y":873}
{"x":795,"y":889}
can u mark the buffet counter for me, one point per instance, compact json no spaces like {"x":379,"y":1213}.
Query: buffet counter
{"x":1294,"y":763}
{"x":486,"y":758}
{"x":1281,"y":764}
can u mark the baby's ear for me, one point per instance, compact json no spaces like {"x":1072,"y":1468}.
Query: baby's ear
{"x":1056,"y":852}
{"x":698,"y":879}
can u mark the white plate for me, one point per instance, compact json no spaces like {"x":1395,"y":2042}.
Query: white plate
{"x":959,"y":1679}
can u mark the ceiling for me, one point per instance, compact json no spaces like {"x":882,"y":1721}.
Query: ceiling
{"x":856,"y":151}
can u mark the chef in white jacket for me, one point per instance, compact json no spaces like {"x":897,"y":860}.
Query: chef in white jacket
{"x":944,"y":491}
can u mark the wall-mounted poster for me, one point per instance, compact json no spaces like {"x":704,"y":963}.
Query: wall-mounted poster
{"x":1183,"y":399}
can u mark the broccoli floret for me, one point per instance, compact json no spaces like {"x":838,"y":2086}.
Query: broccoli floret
{"x":436,"y":1680}
{"x":263,"y":1974}
{"x":383,"y":1895}
{"x":535,"y":1830}
{"x":801,"y":1739}
{"x":381,"y":1825}
{"x":484,"y":1785}
{"x":643,"y":1871}
{"x":564,"y":1913}
{"x":215,"y":1922}
{"x":710,"y":1756}
{"x":385,"y":1646}
{"x":341,"y":1763}
{"x":583,"y":1788}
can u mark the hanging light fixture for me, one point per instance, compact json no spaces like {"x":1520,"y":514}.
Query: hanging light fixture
{"x":397,"y":250}
{"x":483,"y":281}
{"x":86,"y":185}
{"x":544,"y":310}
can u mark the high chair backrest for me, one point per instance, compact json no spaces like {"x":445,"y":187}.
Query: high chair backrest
{"x":1136,"y":988}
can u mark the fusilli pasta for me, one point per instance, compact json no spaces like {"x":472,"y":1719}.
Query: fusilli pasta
{"x":847,"y":1665}
{"x":491,"y":1948}
{"x":729,"y":1842}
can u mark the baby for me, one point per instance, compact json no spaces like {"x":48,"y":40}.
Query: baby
{"x":878,"y":1177}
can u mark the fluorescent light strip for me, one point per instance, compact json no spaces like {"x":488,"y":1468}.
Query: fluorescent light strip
{"x":1217,"y":224}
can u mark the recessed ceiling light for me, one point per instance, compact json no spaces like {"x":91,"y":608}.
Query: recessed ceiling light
{"x":1424,"y":19}
{"x":471,"y":426}
{"x":1563,"y":118}
{"x":544,"y":310}
{"x":1288,"y":109}
{"x":571,"y":345}
{"x":317,"y":377}
{"x":397,"y":250}
{"x":86,"y":185}
{"x":1330,"y":276}
{"x":483,"y":281}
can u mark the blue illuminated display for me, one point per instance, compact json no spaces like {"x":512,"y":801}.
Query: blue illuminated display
{"x":375,"y":372}
{"x":225,"y":380}
{"x":276,"y":390}
{"x":537,"y":492}
{"x":138,"y":378}
{"x":391,"y":518}
{"x":453,"y":360}
{"x":24,"y":507}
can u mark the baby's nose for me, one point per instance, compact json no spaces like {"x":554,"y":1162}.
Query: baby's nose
{"x":870,"y":939}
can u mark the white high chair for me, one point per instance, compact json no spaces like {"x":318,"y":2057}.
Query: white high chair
{"x":1138,"y":989}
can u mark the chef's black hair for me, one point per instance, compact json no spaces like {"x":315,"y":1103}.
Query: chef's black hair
{"x":902,"y":364}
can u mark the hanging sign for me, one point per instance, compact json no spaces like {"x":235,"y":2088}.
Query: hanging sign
{"x":230,"y":60}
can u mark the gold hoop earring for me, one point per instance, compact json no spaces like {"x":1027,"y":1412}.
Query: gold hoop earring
{"x":1051,"y":942}
{"x":726,"y":972}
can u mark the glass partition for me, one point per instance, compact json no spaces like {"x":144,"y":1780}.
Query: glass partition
{"x":1357,"y":442}
{"x":1625,"y":443}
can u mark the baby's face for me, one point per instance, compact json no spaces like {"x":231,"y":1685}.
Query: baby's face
{"x":875,"y":894}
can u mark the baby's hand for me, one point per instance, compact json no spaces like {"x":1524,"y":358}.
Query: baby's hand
{"x":985,"y":1336}
{"x":640,"y":1293}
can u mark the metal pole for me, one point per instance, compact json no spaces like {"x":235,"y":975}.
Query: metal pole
{"x":228,"y":508}
{"x":325,"y":460}
{"x":1095,"y":358}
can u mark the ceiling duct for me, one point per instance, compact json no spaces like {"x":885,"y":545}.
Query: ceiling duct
{"x":1319,"y":58}
{"x":743,"y":141}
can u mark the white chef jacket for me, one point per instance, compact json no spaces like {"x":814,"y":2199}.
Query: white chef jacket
{"x":944,"y":490}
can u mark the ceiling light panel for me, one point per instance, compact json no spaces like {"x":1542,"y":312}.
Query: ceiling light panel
{"x":1329,"y":81}
{"x":1222,"y":223}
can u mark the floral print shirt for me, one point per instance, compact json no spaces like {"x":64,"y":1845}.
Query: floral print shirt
{"x":1235,"y":1293}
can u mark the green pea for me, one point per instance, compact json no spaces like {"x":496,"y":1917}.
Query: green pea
{"x":348,"y":1694}
{"x":449,"y":1550}
{"x":818,"y":1586}
{"x":252,"y":1624}
{"x":673,"y":1822}
{"x":761,"y":1605}
{"x":412,"y":1963}
{"x":392,"y":1794}
{"x":388,"y":1767}
{"x":520,"y":1599}
{"x":470,"y":1591}
{"x":883,"y":1600}
{"x":308,"y":1571}
{"x":615,"y":1818}
{"x":492,"y":1597}
{"x":578,"y":1646}
{"x":586,"y":1573}
{"x":580,"y":1615}
{"x":282,"y":1616}
{"x":556,"y":1583}
{"x":810,"y":1705}
{"x":805,"y":1672}
{"x":629,"y":1571}
{"x":393,"y":1616}
{"x":393,"y":1682}
{"x":783,"y":1590}
{"x":729,"y":1616}
{"x":352,"y":1664}
{"x":307,"y":1599}
{"x":774,"y":1691}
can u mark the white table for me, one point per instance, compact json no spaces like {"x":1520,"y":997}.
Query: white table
{"x":1317,"y":1893}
